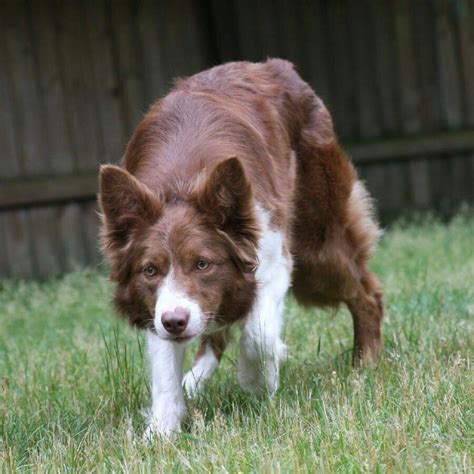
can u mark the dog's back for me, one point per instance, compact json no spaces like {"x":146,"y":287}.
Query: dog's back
{"x":238,"y":109}
{"x":264,"y":114}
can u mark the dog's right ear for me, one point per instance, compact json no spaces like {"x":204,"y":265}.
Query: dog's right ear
{"x":226,"y":200}
{"x":127,"y":204}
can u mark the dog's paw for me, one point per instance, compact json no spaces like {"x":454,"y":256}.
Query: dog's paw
{"x":164,"y":421}
{"x":258,"y":377}
{"x":160,"y":429}
{"x":156,"y":431}
{"x":192,"y":384}
{"x":250,"y":384}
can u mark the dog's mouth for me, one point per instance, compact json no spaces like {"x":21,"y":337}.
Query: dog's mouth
{"x":181,"y":339}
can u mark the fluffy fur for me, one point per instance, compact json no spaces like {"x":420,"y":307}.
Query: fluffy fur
{"x":232,"y":187}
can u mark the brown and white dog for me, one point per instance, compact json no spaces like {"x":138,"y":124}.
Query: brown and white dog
{"x":232,"y":188}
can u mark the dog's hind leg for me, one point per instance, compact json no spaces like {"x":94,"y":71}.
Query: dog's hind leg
{"x":366,"y":306}
{"x":335,"y":272}
{"x":335,"y":234}
{"x":367,"y":314}
{"x":207,"y":360}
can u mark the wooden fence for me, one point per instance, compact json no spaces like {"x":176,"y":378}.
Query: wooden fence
{"x":76,"y":76}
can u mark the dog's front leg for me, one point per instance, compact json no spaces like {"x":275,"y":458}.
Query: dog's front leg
{"x":168,"y":408}
{"x":261,"y":348}
{"x":207,"y":360}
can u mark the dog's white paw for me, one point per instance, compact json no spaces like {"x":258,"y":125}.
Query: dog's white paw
{"x":259,"y":371}
{"x":259,"y":382}
{"x":260,"y":376}
{"x":192,"y":384}
{"x":164,"y":421}
{"x":203,"y":369}
{"x":251,"y":382}
{"x":156,"y":430}
{"x":161,"y":429}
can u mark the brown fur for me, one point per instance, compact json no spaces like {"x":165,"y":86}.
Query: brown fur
{"x":217,"y":341}
{"x":219,"y":141}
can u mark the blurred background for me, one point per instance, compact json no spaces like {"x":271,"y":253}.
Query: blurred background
{"x":77,"y":76}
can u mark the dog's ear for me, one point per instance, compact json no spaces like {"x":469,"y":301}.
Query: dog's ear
{"x":226,"y":198}
{"x":126,"y":203}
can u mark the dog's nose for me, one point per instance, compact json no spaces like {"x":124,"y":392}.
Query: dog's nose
{"x":175,"y":322}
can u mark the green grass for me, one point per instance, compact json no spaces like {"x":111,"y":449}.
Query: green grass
{"x":73,"y":380}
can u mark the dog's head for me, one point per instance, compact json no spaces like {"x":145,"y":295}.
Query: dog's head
{"x":183,"y":264}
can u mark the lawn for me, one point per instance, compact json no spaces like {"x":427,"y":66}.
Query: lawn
{"x":73,"y":381}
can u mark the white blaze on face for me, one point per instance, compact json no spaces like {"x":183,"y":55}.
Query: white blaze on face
{"x":169,"y":297}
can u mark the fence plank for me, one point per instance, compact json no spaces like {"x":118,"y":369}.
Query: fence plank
{"x":8,"y":143}
{"x":374,"y":178}
{"x":341,"y":67}
{"x":462,"y":183}
{"x":149,"y":50}
{"x":18,"y":244}
{"x":426,"y":66}
{"x":4,"y":264}
{"x":411,"y":96}
{"x":406,"y":148}
{"x":381,"y":19}
{"x":91,"y":226}
{"x":178,"y":20}
{"x":225,"y":41}
{"x":124,"y":45}
{"x":470,"y":173}
{"x":440,"y":172}
{"x":28,"y":107}
{"x":56,"y":121}
{"x":43,"y":190}
{"x":84,"y":186}
{"x":448,"y":71}
{"x":45,"y":240}
{"x":408,"y":91}
{"x":317,"y":52}
{"x":285,"y":20}
{"x":195,"y":37}
{"x":106,"y":84}
{"x":420,"y":185}
{"x":396,"y":194}
{"x":268,"y":31}
{"x":247,"y":30}
{"x":71,"y":234}
{"x":465,"y":20}
{"x":364,"y":72}
{"x":79,"y":84}
{"x":429,"y":103}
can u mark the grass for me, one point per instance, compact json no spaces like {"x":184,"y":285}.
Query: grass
{"x":73,"y":380}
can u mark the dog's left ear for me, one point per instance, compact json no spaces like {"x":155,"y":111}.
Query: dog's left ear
{"x":127,"y":204}
{"x":226,"y":198}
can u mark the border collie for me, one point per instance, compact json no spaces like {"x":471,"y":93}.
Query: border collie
{"x":231,"y":189}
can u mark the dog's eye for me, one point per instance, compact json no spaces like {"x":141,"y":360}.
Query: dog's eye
{"x":150,"y":270}
{"x":202,"y":264}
